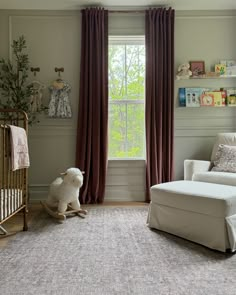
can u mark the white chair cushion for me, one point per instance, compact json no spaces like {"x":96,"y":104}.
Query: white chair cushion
{"x":216,"y":177}
{"x":201,"y":197}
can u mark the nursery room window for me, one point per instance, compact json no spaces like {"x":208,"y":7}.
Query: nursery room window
{"x":126,"y":97}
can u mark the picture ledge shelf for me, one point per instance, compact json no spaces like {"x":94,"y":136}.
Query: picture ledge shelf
{"x":201,"y":107}
{"x":209,"y":77}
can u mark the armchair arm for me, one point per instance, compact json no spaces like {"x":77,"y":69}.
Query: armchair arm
{"x":193,"y":166}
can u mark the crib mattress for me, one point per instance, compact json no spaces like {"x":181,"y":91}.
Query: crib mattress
{"x":10,"y":201}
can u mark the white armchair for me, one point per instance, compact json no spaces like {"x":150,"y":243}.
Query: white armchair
{"x":198,"y":170}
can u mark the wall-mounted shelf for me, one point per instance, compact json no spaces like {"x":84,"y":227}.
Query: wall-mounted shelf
{"x":206,"y":107}
{"x":208,"y":77}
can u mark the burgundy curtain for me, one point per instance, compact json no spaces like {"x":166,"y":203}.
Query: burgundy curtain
{"x":159,"y":33}
{"x":91,"y":151}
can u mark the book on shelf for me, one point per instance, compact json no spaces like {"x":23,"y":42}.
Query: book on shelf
{"x":228,"y":62}
{"x":207,"y":99}
{"x":231,"y":97}
{"x":224,"y":96}
{"x":231,"y":71}
{"x":193,"y":97}
{"x":221,"y":69}
{"x":230,"y":67}
{"x":182,"y":97}
{"x":213,"y":98}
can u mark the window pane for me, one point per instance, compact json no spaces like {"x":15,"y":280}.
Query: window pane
{"x":135,"y":71}
{"x":135,"y":131}
{"x":126,"y":100}
{"x":116,"y":71}
{"x":117,"y":131}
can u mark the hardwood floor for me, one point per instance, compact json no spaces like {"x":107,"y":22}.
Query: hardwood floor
{"x":15,"y":224}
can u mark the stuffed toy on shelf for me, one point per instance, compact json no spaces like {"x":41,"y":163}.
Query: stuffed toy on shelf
{"x":184,"y":71}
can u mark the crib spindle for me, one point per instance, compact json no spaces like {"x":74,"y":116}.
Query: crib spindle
{"x":13,"y":184}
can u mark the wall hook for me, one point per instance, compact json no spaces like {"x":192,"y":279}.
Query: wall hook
{"x":59,"y":70}
{"x":34,"y":70}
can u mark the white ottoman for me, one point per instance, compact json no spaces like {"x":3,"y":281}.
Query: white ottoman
{"x":198,"y":211}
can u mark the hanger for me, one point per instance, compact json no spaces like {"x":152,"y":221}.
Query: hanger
{"x":36,"y":85}
{"x":58,"y":83}
{"x":34,"y":70}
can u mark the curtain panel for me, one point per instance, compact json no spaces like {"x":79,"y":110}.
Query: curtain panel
{"x":159,"y":110}
{"x":92,"y":133}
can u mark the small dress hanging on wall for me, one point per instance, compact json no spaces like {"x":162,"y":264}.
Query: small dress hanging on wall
{"x":59,"y":105}
{"x":36,"y":89}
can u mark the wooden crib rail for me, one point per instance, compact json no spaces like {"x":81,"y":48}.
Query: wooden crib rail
{"x":13,"y":184}
{"x":4,"y":126}
{"x":14,"y":117}
{"x":24,"y":114}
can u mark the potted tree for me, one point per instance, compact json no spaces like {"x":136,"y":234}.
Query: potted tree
{"x":15,"y":90}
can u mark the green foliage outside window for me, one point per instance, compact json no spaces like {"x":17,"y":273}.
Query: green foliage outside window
{"x":126,"y":101}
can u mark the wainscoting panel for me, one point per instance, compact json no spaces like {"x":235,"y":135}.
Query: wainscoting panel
{"x":125,"y":180}
{"x":52,"y":151}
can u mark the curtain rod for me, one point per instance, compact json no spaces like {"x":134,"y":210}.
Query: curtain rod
{"x":133,"y":11}
{"x":143,"y":10}
{"x":126,"y":11}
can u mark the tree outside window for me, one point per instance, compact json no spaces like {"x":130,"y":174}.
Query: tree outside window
{"x":126,"y":98}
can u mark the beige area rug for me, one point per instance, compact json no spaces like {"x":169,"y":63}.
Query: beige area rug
{"x":111,"y":251}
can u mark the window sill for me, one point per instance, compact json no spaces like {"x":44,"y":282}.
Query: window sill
{"x":126,"y":159}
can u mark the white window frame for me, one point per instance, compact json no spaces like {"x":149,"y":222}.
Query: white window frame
{"x":128,"y":40}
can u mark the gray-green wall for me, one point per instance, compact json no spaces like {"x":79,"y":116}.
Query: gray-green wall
{"x":54,"y":40}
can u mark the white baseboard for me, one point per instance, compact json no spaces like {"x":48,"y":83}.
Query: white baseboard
{"x":38,"y":193}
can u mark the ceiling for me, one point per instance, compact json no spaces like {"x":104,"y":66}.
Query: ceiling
{"x":118,"y":4}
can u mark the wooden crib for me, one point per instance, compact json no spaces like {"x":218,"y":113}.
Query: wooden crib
{"x":13,"y":184}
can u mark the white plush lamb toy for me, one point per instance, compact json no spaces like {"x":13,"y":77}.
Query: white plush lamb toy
{"x":184,"y":71}
{"x":65,"y":191}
